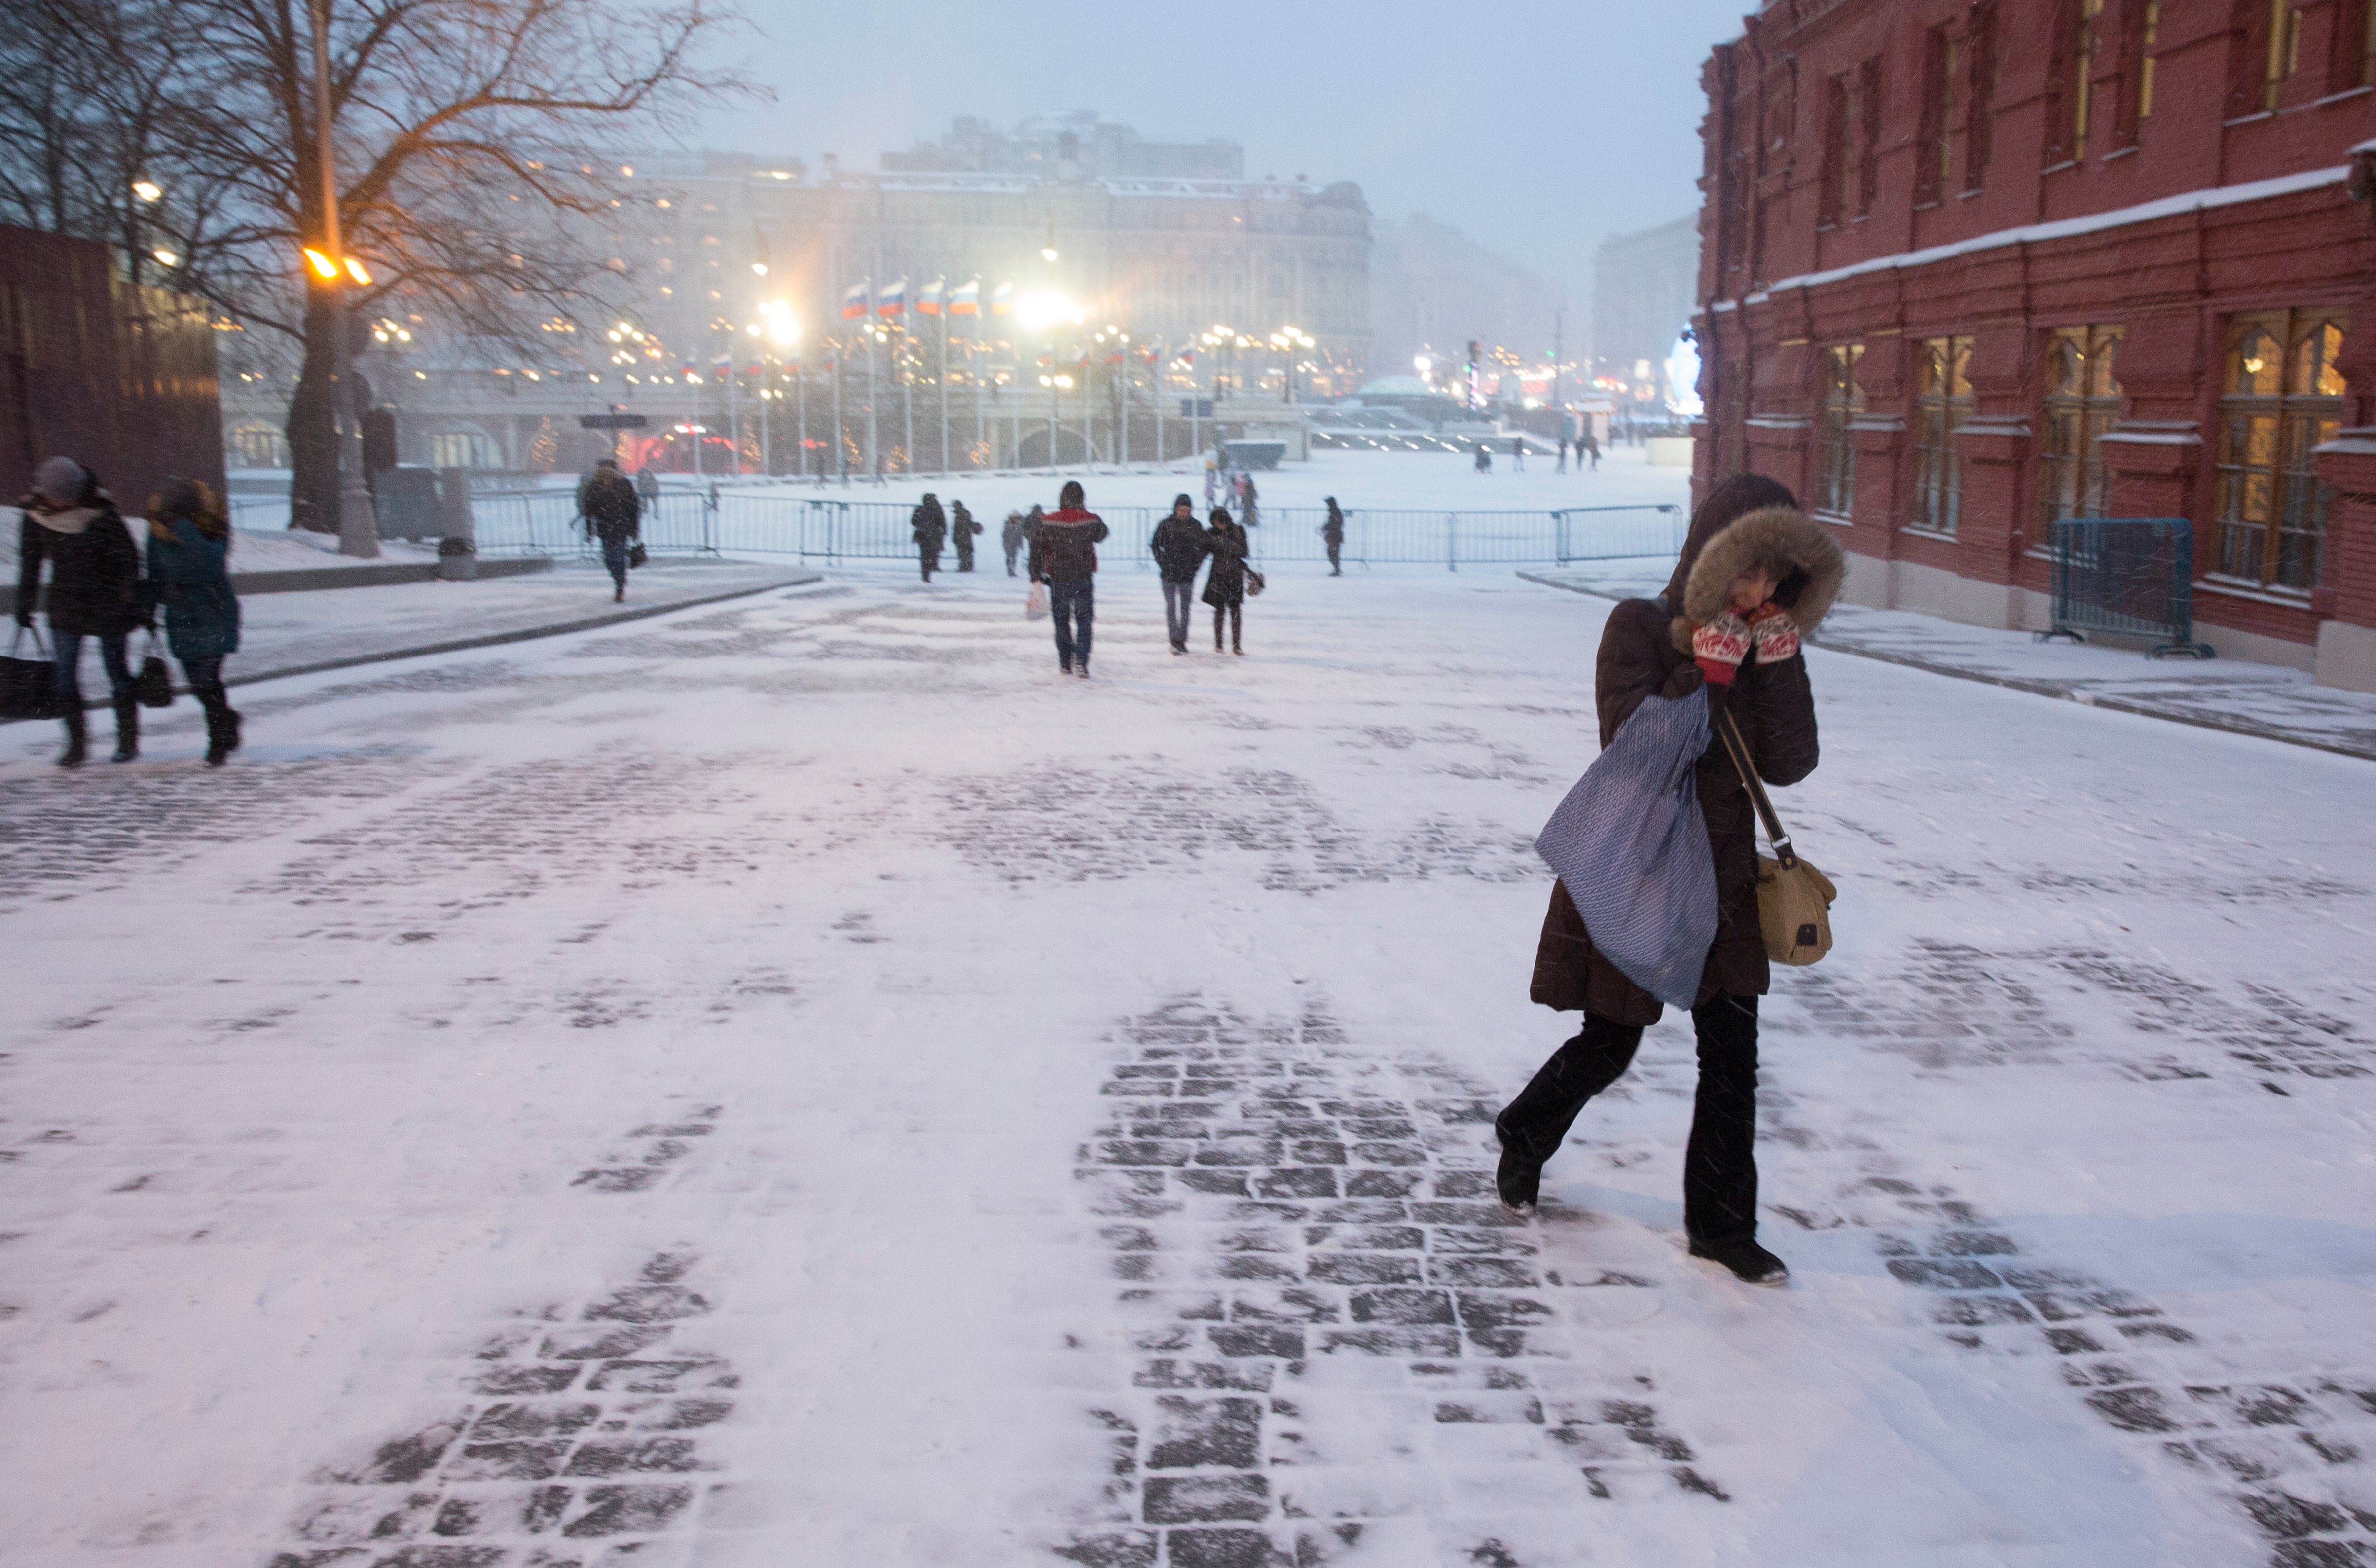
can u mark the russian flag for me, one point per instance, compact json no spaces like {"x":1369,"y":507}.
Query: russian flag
{"x":965,"y":299}
{"x":1002,"y":302}
{"x":929,"y":302}
{"x":853,"y":303}
{"x":893,"y":301}
{"x":1188,"y":358}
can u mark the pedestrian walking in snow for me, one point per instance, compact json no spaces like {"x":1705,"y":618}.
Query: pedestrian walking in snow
{"x":1754,"y":575}
{"x":94,"y":591}
{"x":648,"y":487}
{"x":1179,"y":547}
{"x":1484,"y":459}
{"x":1592,"y":449}
{"x":1225,"y":584}
{"x":931,"y":527}
{"x":1247,"y":497}
{"x":1212,"y":477}
{"x":1332,"y":532}
{"x":1562,"y":456}
{"x":189,"y":579}
{"x":1517,"y":454}
{"x":962,"y":528}
{"x":1010,"y":534}
{"x":615,"y":515}
{"x":1065,"y":556}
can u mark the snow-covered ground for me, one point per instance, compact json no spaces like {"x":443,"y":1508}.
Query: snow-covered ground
{"x":797,"y":1081}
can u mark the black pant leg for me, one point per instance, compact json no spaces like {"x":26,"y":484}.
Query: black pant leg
{"x":1535,"y":1123}
{"x":1720,"y":1162}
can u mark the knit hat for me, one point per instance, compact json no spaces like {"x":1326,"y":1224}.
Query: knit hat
{"x":60,"y":479}
{"x":1182,"y":500}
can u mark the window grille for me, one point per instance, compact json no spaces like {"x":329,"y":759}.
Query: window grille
{"x":2282,"y":398}
{"x":1943,"y":400}
{"x":1835,"y":447}
{"x":2082,"y":402}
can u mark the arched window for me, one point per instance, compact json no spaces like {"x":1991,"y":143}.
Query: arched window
{"x":2282,"y":398}
{"x":2082,"y":402}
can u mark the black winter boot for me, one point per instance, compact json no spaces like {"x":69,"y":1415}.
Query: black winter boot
{"x":1519,"y":1180}
{"x":127,"y":729}
{"x":218,"y":736}
{"x":1749,"y":1262}
{"x":78,"y":738}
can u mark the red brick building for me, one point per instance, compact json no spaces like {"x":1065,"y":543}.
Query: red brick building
{"x":1968,"y":265}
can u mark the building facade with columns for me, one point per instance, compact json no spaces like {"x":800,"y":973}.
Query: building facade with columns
{"x":1968,"y":268}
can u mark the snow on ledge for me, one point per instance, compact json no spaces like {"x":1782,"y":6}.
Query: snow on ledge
{"x":2064,"y":227}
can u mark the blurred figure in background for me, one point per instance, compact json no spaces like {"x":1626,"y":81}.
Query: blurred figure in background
{"x":189,"y":579}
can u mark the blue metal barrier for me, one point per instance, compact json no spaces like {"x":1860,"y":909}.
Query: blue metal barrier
{"x":2130,"y":577}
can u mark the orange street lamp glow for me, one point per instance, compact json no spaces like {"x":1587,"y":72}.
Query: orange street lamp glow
{"x":355,"y":270}
{"x":323,"y":267}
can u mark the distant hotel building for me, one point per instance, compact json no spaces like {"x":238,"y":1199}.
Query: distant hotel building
{"x":1644,"y":289}
{"x":1163,"y":240}
{"x":1969,"y":268}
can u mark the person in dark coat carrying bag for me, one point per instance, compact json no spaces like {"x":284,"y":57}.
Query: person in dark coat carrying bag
{"x":1755,"y":576}
{"x":189,"y":579}
{"x":94,"y":591}
{"x":962,"y":531}
{"x":615,"y":515}
{"x":1225,"y":584}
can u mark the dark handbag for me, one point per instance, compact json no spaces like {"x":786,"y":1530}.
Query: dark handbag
{"x":153,"y":687}
{"x":1255,"y":584}
{"x":28,"y":686}
{"x":636,"y":556}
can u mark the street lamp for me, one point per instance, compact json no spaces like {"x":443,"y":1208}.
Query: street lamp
{"x":358,"y":520}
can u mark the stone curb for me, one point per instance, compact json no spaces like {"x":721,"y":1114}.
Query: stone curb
{"x":2048,"y":689}
{"x":314,"y":579}
{"x":492,"y":639}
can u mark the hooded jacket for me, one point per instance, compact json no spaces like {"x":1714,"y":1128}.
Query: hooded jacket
{"x":930,"y":523}
{"x":94,"y":567}
{"x":1746,"y":522}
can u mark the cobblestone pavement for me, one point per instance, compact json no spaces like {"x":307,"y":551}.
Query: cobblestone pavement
{"x":794,"y":1080}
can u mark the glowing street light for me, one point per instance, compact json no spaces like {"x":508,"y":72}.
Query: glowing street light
{"x":148,"y":190}
{"x":355,"y":270}
{"x":323,"y":267}
{"x":166,"y":256}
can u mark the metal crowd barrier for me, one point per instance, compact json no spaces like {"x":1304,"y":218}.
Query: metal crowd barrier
{"x":2133,"y":577}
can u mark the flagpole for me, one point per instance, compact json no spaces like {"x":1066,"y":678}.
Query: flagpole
{"x":1159,"y":405}
{"x":944,"y":383}
{"x":873,"y":429}
{"x":840,"y":432}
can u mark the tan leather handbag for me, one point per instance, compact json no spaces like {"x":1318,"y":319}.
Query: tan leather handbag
{"x":1794,"y":899}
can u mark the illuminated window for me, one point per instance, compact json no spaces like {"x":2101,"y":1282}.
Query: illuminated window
{"x":2083,"y":402}
{"x":2285,"y":51}
{"x":1943,"y":400}
{"x":1835,"y":446}
{"x":2281,"y":399}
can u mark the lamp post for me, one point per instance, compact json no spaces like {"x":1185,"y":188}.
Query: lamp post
{"x":1289,"y":341}
{"x":358,"y":520}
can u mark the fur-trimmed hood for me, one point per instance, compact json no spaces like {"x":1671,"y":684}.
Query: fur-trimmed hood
{"x":1806,"y":563}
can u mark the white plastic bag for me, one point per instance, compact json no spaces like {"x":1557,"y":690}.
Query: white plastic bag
{"x":1036,"y":607}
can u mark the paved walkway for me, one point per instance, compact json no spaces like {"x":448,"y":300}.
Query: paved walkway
{"x":798,"y":1080}
{"x":2244,"y":698}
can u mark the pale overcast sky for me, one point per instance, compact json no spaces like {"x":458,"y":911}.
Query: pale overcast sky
{"x":1536,"y":128}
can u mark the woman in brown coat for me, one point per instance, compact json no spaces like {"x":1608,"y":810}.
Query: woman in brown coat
{"x":1755,"y":576}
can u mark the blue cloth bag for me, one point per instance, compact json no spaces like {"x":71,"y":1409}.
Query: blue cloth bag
{"x":1629,"y":845}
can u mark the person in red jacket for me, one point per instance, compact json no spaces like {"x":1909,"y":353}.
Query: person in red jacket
{"x":1065,"y":556}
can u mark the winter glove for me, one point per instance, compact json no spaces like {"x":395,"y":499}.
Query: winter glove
{"x":1773,"y":634}
{"x":1719,"y":647}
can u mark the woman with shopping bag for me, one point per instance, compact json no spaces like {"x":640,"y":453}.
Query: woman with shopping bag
{"x":1720,"y":648}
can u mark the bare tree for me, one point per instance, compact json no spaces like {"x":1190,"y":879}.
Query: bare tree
{"x":465,"y":139}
